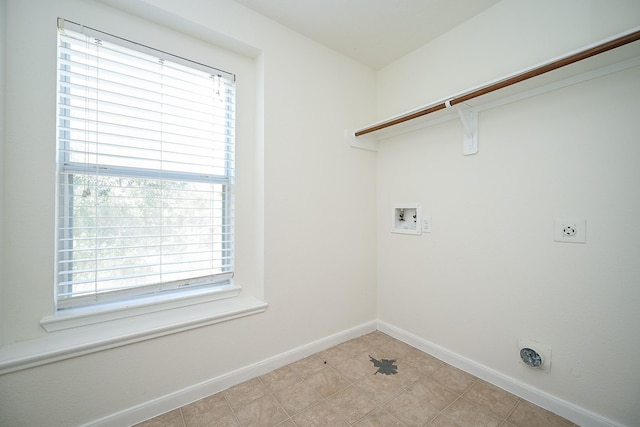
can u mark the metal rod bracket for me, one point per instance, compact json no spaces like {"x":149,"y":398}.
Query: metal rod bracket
{"x":367,"y":142}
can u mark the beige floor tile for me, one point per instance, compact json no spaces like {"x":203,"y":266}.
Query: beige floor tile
{"x":527,"y":414}
{"x":497,"y":400}
{"x":327,"y":381}
{"x":334,"y":354}
{"x":352,"y":403}
{"x":280,"y":379}
{"x":356,"y":346}
{"x":226,"y":421}
{"x":319,"y":415}
{"x":467,"y":413}
{"x":431,"y":392}
{"x":442,"y":421}
{"x":296,"y":398}
{"x":395,"y":349}
{"x":378,"y":340}
{"x":262,"y":412}
{"x":307,"y":366}
{"x":382,"y":388}
{"x":425,"y":364}
{"x":245,"y":392}
{"x":379,"y":418}
{"x":407,"y":375}
{"x":453,"y":378}
{"x":170,"y":419}
{"x":356,"y":367}
{"x":205,"y":412}
{"x":411,"y":411}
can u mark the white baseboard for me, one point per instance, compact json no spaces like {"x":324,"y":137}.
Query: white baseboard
{"x":139,"y":413}
{"x":574,"y":413}
{"x":188,"y":395}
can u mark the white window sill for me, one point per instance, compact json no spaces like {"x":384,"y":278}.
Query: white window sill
{"x":79,"y":332}
{"x":110,"y":312}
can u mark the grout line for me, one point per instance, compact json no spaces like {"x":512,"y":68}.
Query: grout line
{"x":270,"y":393}
{"x":450,"y":404}
{"x":233,"y":412}
{"x":322,"y":399}
{"x":512,"y":410}
{"x":392,"y":416}
{"x":477,"y":380}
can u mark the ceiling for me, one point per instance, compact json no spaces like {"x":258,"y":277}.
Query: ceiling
{"x":374,"y":32}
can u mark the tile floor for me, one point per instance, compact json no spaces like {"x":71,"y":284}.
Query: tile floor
{"x":341,"y":387}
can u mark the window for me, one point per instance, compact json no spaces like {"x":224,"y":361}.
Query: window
{"x":145,"y":157}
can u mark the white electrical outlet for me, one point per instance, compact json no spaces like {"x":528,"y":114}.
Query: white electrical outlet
{"x":570,"y":230}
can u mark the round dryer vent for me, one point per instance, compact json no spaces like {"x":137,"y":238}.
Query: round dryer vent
{"x":531,"y":357}
{"x":535,"y":355}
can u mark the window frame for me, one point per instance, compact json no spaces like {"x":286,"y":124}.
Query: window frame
{"x":209,"y":288}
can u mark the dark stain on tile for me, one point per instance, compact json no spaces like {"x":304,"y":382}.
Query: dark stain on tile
{"x":385,"y":366}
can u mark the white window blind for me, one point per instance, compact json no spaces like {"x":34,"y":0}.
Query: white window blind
{"x":145,"y":171}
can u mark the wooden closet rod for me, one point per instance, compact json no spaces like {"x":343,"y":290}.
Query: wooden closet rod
{"x":568,"y":60}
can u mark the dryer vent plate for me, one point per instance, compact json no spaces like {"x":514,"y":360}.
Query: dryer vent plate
{"x":531,"y":357}
{"x":534,"y":354}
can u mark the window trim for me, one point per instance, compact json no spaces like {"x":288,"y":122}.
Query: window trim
{"x":216,"y":285}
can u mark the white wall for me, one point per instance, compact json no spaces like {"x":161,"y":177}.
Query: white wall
{"x":2,"y":64}
{"x":490,"y":273}
{"x":296,"y":242}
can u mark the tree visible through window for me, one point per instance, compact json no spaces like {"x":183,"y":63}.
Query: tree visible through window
{"x":145,"y":172}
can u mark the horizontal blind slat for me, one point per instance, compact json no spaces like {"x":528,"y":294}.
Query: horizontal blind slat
{"x":165,"y":267}
{"x":206,"y":116}
{"x":112,"y":171}
{"x":75,"y":84}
